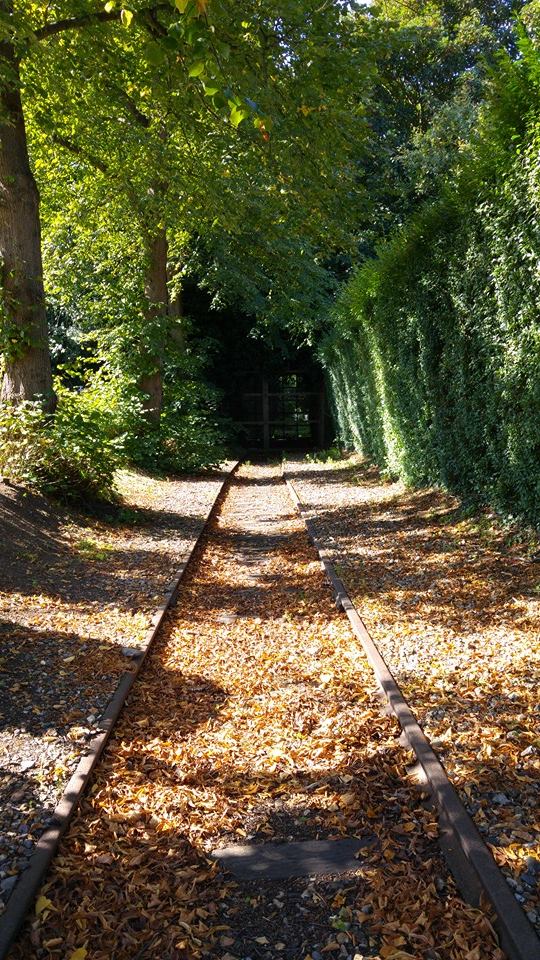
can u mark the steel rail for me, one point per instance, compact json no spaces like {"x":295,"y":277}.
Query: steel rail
{"x":32,"y":878}
{"x":477,"y":875}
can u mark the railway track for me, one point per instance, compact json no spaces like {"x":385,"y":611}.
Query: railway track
{"x":253,"y":800}
{"x":474,"y":869}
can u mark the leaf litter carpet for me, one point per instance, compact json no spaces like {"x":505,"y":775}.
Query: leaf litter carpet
{"x":255,"y":719}
{"x":77,"y":594}
{"x":452,"y":599}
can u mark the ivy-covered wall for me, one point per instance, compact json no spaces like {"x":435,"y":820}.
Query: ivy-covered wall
{"x":434,"y":359}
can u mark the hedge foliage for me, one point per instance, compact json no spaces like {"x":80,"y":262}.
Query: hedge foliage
{"x":434,"y":359}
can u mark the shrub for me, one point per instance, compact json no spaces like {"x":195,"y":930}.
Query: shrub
{"x":189,"y":437}
{"x":182,"y":443}
{"x":332,"y":454}
{"x":68,"y":455}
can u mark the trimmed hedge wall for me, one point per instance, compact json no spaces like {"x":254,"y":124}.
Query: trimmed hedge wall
{"x":434,"y":358}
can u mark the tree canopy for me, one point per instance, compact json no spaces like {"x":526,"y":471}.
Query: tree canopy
{"x":263,"y":151}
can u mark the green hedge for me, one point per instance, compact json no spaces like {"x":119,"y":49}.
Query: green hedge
{"x":434,"y":360}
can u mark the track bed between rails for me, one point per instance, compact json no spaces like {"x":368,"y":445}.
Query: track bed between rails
{"x":255,"y":720}
{"x":452,"y":602}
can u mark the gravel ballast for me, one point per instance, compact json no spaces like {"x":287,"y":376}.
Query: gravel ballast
{"x":451,"y":599}
{"x":77,"y":595}
{"x":254,"y":720}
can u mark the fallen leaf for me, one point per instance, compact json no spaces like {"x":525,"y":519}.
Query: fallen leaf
{"x":42,"y":904}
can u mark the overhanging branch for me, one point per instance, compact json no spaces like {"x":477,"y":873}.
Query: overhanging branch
{"x":74,"y":148}
{"x":99,"y":164}
{"x":88,"y":19}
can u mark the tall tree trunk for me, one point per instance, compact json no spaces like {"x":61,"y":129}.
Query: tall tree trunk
{"x":157,"y":293}
{"x":27,"y":364}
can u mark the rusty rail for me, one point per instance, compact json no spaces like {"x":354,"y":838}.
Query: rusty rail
{"x":31,"y":880}
{"x":477,"y":875}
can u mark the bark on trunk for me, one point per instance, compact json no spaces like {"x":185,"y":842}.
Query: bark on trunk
{"x":157,"y":294}
{"x":27,"y":364}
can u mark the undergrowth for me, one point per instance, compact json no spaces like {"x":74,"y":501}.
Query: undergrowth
{"x":68,"y":455}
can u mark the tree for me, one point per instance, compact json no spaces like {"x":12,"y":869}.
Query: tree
{"x":172,"y":127}
{"x":226,"y":62}
{"x":25,"y":346}
{"x":27,"y":367}
{"x":431,"y":67}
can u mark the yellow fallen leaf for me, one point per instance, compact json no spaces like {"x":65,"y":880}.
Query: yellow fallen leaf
{"x":79,"y":954}
{"x":43,"y":903}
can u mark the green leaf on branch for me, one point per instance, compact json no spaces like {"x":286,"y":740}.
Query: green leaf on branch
{"x":197,"y":69}
{"x":238,"y":114}
{"x":223,"y":49}
{"x":126,"y":17}
{"x":155,"y":54}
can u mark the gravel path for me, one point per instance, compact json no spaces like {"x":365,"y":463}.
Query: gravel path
{"x":453,"y":602}
{"x":254,"y":719}
{"x":76,"y":597}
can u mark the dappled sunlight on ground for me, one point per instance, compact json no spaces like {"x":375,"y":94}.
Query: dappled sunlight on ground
{"x":77,"y":593}
{"x":453,"y":602}
{"x":255,"y":717}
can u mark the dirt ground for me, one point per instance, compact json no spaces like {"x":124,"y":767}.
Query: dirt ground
{"x":254,"y":719}
{"x":77,"y":592}
{"x":452,"y":598}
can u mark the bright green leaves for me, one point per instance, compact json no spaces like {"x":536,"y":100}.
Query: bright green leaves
{"x":240,"y":109}
{"x":196,"y":69}
{"x":199,"y":93}
{"x":210,"y":73}
{"x":126,"y":17}
{"x":238,"y":114}
{"x":193,"y":8}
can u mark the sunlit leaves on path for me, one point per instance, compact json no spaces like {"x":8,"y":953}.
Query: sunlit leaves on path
{"x":453,"y":602}
{"x":255,"y":716}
